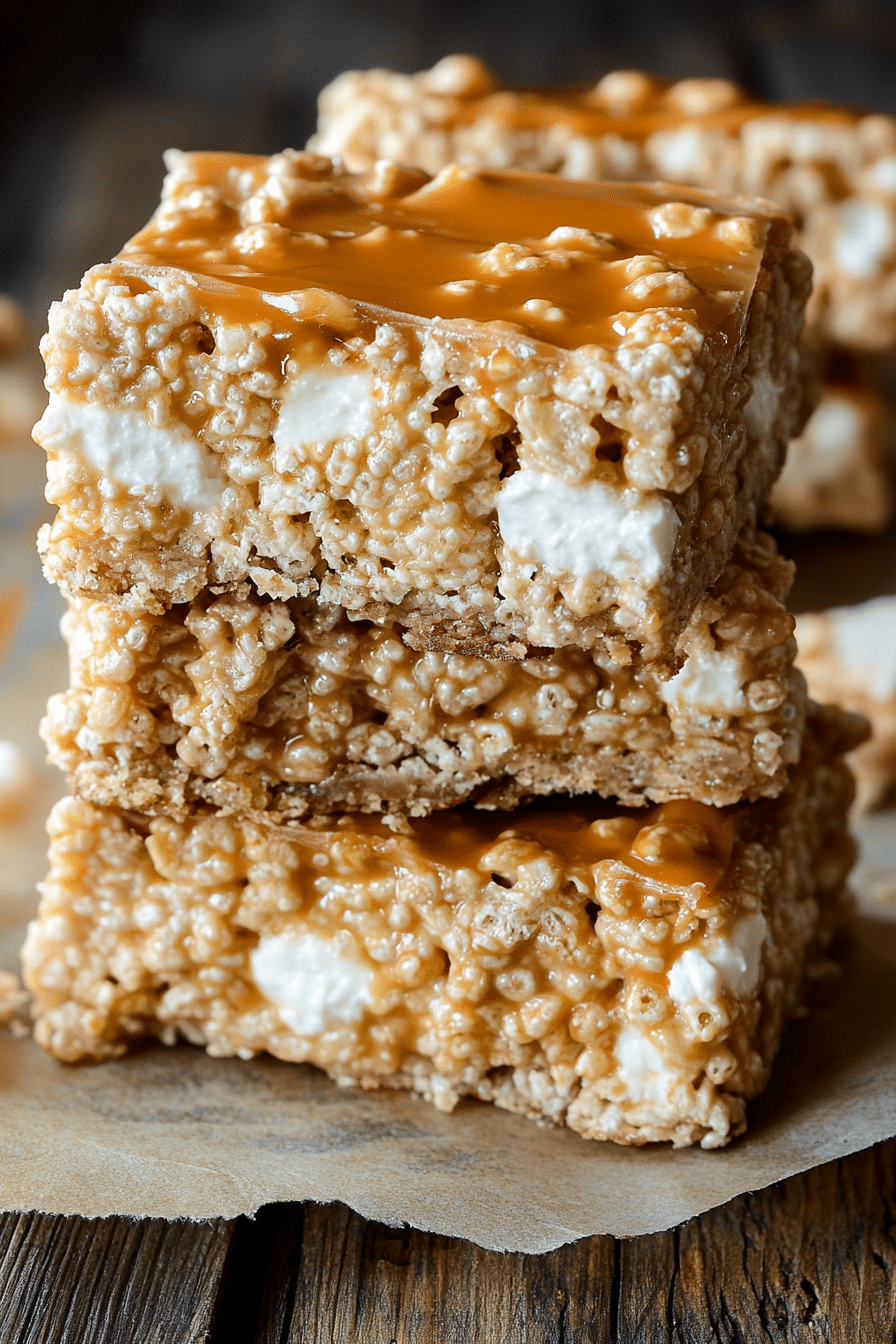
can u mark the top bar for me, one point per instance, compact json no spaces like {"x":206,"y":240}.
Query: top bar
{"x":832,"y":168}
{"x":503,"y":409}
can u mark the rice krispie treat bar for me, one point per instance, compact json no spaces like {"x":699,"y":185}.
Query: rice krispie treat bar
{"x":252,"y":704}
{"x":629,"y":975}
{"x":835,"y":473}
{"x":832,"y":168}
{"x":848,"y":655}
{"x":506,"y":411}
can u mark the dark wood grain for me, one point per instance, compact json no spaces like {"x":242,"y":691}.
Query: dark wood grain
{"x":354,"y":1280}
{"x":108,"y":1280}
{"x":813,"y":1258}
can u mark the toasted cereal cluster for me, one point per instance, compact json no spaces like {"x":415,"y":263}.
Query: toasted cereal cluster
{"x":631,"y":979}
{"x":13,"y":1004}
{"x":252,"y":705}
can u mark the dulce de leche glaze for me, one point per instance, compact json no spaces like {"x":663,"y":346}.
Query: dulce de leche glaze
{"x":636,"y":105}
{"x":675,"y":844}
{"x":567,"y":262}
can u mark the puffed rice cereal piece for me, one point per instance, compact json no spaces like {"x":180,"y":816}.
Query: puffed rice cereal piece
{"x":255,"y":705}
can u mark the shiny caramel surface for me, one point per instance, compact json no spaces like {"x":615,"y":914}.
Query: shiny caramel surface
{"x":468,"y":244}
{"x":675,"y":844}
{"x":640,"y":107}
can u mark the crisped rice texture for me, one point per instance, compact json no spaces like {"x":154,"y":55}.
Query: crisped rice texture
{"x":400,"y":523}
{"x":501,"y":969}
{"x":255,"y":705}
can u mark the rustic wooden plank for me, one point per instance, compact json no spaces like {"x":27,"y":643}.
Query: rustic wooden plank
{"x":813,"y":1258}
{"x":280,"y":1234}
{"x":868,"y":1225}
{"x":108,"y":1280}
{"x":348,"y":1280}
{"x":258,"y":1284}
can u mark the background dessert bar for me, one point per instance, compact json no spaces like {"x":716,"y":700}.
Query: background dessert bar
{"x":829,"y":166}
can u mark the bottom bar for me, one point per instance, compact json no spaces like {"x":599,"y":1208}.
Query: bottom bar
{"x":627,"y":973}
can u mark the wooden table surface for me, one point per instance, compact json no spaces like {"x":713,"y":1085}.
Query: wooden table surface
{"x":813,"y":1258}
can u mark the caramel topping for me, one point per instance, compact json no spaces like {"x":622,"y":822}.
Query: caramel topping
{"x":675,"y":844}
{"x":564,"y":261}
{"x":12,"y":604}
{"x":631,"y":104}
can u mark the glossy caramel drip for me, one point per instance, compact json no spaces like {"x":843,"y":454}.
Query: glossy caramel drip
{"x":478,"y":245}
{"x":657,"y":106}
{"x":13,"y":601}
{"x":673,"y":845}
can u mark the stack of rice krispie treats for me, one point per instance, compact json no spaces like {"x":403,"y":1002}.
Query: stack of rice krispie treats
{"x":432,"y":715}
{"x":831,"y":168}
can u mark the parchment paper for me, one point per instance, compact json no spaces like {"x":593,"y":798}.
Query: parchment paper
{"x":175,"y":1134}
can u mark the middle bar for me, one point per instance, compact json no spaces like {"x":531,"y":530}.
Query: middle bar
{"x":253,"y":705}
